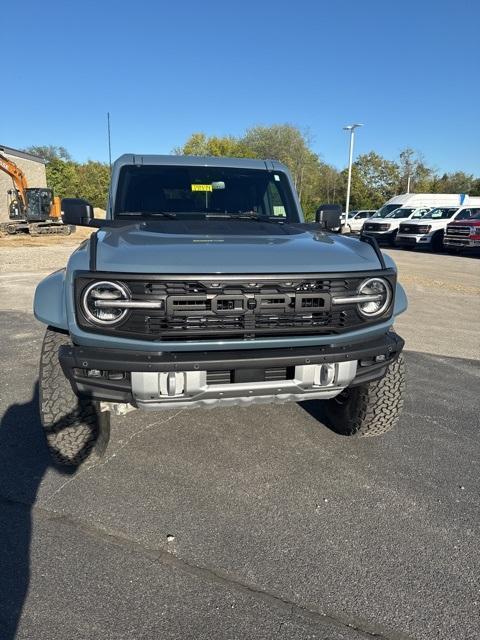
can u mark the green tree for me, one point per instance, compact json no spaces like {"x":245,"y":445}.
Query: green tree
{"x":475,"y":188}
{"x":374,"y":180}
{"x":457,"y":182}
{"x":62,"y":177}
{"x":411,"y":165}
{"x":49,"y":152}
{"x":93,"y":182}
{"x":201,"y":145}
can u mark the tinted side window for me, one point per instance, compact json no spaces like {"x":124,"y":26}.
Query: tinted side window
{"x":465,"y":214}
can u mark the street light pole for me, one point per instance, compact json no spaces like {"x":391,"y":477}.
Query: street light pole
{"x":351,"y":128}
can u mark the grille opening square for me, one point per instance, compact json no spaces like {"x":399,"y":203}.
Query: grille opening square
{"x":189,"y":303}
{"x":230,"y":305}
{"x":312,"y":303}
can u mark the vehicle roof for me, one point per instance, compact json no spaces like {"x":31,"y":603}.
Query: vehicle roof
{"x":200,"y":161}
{"x":434,"y":199}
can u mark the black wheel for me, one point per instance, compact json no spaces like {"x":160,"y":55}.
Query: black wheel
{"x":370,"y":409}
{"x":74,"y":428}
{"x":437,"y":241}
{"x":392,"y":239}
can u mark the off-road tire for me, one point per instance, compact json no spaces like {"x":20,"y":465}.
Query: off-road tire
{"x":74,"y":427}
{"x":369,"y":409}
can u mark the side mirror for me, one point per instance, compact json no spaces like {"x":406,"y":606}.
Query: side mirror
{"x":328,"y":216}
{"x":77,"y":212}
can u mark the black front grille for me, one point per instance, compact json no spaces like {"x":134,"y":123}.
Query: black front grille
{"x":368,"y":226}
{"x":414,"y":229}
{"x":235,"y":307}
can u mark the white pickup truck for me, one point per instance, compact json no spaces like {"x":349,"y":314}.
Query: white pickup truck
{"x":429,"y":230}
{"x":385,"y":229}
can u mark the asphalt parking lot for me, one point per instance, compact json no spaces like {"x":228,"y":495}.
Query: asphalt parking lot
{"x":256,"y":522}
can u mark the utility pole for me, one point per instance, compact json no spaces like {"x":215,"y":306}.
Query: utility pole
{"x":109,"y":143}
{"x":408,"y":183}
{"x":351,"y":128}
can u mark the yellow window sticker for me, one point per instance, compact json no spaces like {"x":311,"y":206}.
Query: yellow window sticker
{"x":202,"y":187}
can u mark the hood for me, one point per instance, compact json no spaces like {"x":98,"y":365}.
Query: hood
{"x":385,"y":220}
{"x":248,"y":247}
{"x":465,"y":223}
{"x":430,"y":221}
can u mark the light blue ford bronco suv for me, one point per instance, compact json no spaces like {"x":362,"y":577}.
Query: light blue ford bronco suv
{"x":204,"y":287}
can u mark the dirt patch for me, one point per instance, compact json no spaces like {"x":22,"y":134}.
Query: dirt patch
{"x":26,"y":240}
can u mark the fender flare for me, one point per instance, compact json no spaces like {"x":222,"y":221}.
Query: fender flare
{"x":49,"y":304}
{"x":401,"y":302}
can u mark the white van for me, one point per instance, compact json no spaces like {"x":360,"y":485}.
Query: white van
{"x":423,"y":200}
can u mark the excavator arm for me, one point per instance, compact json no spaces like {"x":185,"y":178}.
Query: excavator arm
{"x":18,"y":177}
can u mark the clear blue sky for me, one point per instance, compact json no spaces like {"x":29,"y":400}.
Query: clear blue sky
{"x":409,"y":70}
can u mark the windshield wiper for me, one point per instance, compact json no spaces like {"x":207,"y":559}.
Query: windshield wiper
{"x":150,"y":214}
{"x":247,"y":215}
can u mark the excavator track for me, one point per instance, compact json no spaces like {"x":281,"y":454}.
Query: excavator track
{"x":39,"y":229}
{"x":35,"y":229}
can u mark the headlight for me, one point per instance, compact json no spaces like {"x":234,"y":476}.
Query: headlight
{"x":378,"y":294}
{"x":99,"y":302}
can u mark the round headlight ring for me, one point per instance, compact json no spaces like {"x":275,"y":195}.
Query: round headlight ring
{"x":373,"y":286}
{"x":105,"y":284}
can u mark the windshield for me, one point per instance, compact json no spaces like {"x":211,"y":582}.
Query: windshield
{"x":385,"y":210}
{"x":400,"y":213}
{"x":189,"y":191}
{"x":440,"y":213}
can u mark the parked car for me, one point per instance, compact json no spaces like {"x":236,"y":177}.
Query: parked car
{"x":463,"y":234}
{"x":356,"y":219}
{"x":430,"y":229}
{"x":205,"y":288}
{"x":385,"y":229}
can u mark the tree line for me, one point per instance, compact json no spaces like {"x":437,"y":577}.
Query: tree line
{"x":375,"y":179}
{"x":71,"y":179}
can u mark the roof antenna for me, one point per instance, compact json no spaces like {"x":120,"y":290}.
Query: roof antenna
{"x":109,"y":143}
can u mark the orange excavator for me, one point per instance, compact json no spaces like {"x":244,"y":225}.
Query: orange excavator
{"x":34,"y":210}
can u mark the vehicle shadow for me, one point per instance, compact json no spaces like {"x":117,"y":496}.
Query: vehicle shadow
{"x":24,"y":460}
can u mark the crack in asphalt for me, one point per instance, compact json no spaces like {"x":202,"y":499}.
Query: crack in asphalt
{"x":106,"y":459}
{"x":216,"y":576}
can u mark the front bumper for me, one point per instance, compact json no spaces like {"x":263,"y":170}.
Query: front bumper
{"x":412,"y":240}
{"x":178,"y":379}
{"x":382,"y":235}
{"x":461,"y":242}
